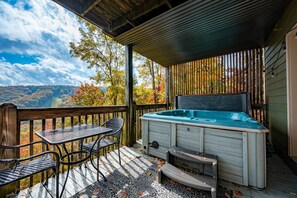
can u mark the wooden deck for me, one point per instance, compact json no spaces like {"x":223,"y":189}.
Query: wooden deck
{"x":137,"y":178}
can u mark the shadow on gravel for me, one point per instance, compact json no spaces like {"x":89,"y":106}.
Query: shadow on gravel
{"x":138,"y":179}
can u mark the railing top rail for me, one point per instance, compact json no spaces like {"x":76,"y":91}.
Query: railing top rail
{"x":47,"y":113}
{"x":150,"y":106}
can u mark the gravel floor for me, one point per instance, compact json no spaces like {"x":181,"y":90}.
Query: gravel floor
{"x":139,"y":179}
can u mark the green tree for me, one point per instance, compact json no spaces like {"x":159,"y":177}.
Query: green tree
{"x":106,"y":57}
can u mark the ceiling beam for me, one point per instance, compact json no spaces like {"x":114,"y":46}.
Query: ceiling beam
{"x":82,"y":9}
{"x":141,"y":10}
{"x":168,"y":4}
{"x":130,"y":23}
{"x":73,"y":6}
{"x":99,"y":21}
{"x":88,"y":5}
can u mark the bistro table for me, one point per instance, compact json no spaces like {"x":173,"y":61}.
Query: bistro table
{"x":62,"y":136}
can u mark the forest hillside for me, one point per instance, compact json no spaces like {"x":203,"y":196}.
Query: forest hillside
{"x":37,"y":96}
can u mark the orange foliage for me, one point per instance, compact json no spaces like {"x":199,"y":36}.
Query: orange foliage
{"x":88,"y":95}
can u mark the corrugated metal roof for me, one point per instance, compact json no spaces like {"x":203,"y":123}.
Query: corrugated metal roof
{"x":175,"y":33}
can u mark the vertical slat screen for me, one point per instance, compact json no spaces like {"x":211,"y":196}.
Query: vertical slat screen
{"x":231,"y":73}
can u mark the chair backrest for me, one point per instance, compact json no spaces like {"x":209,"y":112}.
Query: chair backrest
{"x":116,"y":124}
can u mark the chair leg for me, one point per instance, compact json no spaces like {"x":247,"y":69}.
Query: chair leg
{"x":81,"y":142}
{"x":160,"y":176}
{"x":57,"y":182}
{"x":213,"y":193}
{"x":98,"y":167}
{"x":48,"y":176}
{"x":46,"y":181}
{"x":119,"y":154}
{"x":105,"y":154}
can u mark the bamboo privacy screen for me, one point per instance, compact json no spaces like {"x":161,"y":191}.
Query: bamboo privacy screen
{"x":232,"y":73}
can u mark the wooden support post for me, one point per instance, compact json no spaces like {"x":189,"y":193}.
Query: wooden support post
{"x":129,"y":95}
{"x":134,"y":122}
{"x":167,"y":86}
{"x":9,"y":136}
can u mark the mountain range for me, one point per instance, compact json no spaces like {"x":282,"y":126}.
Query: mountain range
{"x":37,"y":96}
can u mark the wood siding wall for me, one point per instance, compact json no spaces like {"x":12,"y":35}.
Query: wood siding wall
{"x":276,"y":83}
{"x":232,"y":73}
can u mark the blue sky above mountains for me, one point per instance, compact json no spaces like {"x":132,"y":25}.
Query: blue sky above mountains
{"x":34,"y":44}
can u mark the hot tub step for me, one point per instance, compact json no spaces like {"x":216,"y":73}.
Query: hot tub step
{"x":193,"y":156}
{"x":202,"y":182}
{"x":199,"y":181}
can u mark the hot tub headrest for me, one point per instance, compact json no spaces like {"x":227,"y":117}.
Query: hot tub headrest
{"x":221,"y":102}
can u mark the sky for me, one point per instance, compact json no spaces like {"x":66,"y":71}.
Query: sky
{"x":34,"y":44}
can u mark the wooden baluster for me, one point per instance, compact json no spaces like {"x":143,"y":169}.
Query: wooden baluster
{"x":139,"y":124}
{"x":71,"y":143}
{"x":43,"y":149}
{"x":122,"y":135}
{"x":79,"y":120}
{"x":137,"y":131}
{"x":63,"y":126}
{"x":54,"y":122}
{"x":54,"y":127}
{"x":71,"y":121}
{"x":63,"y":122}
{"x":31,"y":147}
{"x":86,"y":119}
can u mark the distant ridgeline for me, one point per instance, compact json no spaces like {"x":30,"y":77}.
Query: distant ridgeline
{"x":37,"y":96}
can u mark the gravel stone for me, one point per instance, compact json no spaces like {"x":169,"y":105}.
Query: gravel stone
{"x":133,"y":178}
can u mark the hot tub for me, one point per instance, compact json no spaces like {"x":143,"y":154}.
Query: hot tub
{"x":236,"y":138}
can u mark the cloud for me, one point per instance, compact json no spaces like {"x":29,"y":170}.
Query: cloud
{"x":41,"y":29}
{"x":38,"y":74}
{"x":28,"y":21}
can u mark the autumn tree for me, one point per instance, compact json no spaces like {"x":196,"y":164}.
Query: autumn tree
{"x":152,"y":74}
{"x":88,"y":95}
{"x":106,"y":57}
{"x":143,"y":94}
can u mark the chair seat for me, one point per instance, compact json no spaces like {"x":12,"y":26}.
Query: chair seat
{"x":26,"y":169}
{"x":103,"y":143}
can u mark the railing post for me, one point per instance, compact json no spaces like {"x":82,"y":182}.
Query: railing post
{"x":129,"y":95}
{"x":8,"y":136}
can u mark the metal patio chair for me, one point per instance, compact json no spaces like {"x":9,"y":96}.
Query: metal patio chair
{"x":20,"y":168}
{"x":110,"y":139}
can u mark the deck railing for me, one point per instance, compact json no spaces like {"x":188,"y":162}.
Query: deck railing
{"x":32,"y":120}
{"x":142,"y":109}
{"x":18,"y":126}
